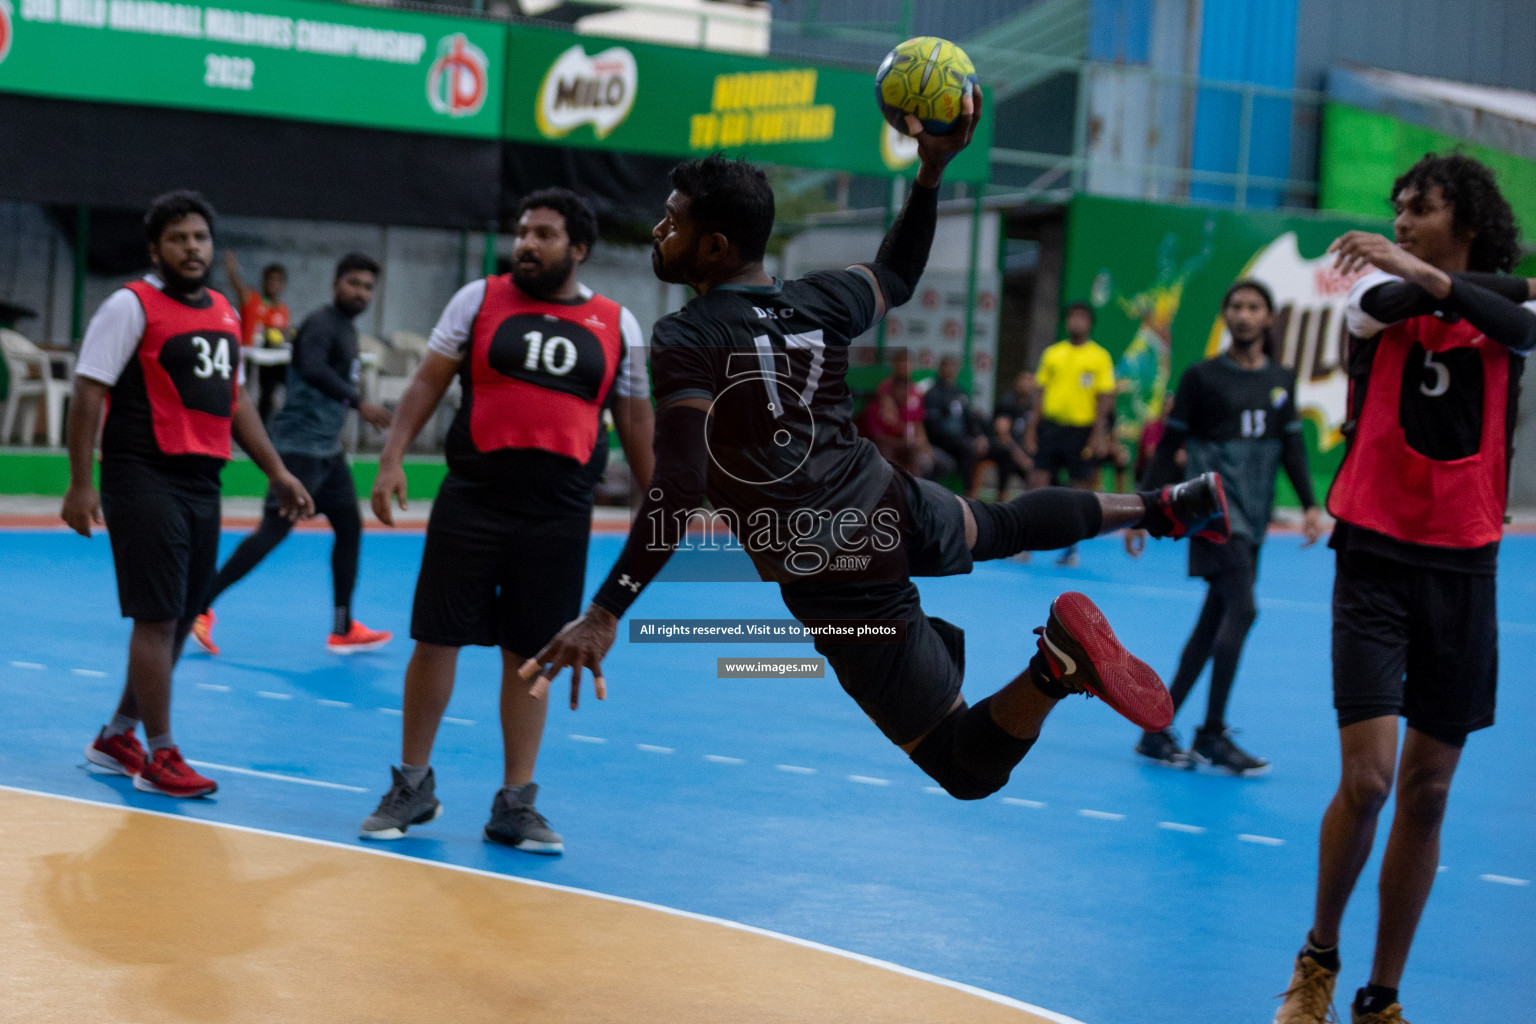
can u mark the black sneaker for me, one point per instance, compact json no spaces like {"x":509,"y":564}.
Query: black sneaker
{"x":1195,"y":508}
{"x":1079,"y":653}
{"x":1163,"y":748}
{"x":1214,"y":748}
{"x":515,"y":823}
{"x":403,"y":806}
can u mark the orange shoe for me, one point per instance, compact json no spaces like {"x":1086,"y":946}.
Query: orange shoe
{"x":202,"y":631}
{"x":358,"y":638}
{"x":167,"y":774}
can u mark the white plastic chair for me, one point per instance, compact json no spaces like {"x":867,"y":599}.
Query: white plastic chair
{"x":32,"y":379}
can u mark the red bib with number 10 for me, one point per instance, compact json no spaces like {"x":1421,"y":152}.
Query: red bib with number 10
{"x":540,"y":371}
{"x":1429,"y":462}
{"x":191,"y":363}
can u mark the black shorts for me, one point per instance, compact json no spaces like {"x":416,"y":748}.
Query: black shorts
{"x":1412,"y":641}
{"x":1061,"y":449}
{"x":905,"y":688}
{"x":327,"y":478}
{"x":492,"y":577}
{"x":1208,"y":558}
{"x":165,"y":543}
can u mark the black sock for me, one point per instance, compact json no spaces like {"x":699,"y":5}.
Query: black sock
{"x":1374,"y":998}
{"x":1047,"y":519}
{"x":1041,"y":674}
{"x":341,"y":624}
{"x":1326,"y":957}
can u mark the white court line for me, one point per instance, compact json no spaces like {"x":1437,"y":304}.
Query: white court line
{"x":27,"y":664}
{"x":795,"y":769}
{"x":587,"y":739}
{"x":458,"y":721}
{"x":1018,"y":801}
{"x":1442,"y":869}
{"x":215,"y":687}
{"x":1504,"y":880}
{"x":869,"y":780}
{"x":1174,"y":826}
{"x":1101,"y":815}
{"x":391,"y":711}
{"x":652,"y":748}
{"x":334,"y":703}
{"x":274,"y":695}
{"x":722,"y":759}
{"x":370,"y":851}
{"x":275,"y":776}
{"x":940,"y":789}
{"x":1244,"y":837}
{"x":91,"y":672}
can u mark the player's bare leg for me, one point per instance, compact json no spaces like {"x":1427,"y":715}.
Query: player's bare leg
{"x":428,"y":686}
{"x":1413,"y":849}
{"x":1369,"y":752}
{"x":522,"y":723}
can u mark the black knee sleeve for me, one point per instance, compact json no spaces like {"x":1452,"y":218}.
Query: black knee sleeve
{"x":969,"y":754}
{"x":1042,"y":520}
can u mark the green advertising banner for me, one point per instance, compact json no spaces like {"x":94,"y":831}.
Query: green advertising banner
{"x":640,"y":98}
{"x":331,"y":62}
{"x":1156,"y":274}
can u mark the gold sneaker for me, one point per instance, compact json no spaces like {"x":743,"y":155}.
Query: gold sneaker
{"x":1391,"y":1015}
{"x":1309,"y":1000}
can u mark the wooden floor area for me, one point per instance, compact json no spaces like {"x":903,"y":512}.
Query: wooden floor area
{"x":116,"y":916}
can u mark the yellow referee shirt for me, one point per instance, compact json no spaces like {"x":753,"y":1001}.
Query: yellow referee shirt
{"x":1072,"y":377}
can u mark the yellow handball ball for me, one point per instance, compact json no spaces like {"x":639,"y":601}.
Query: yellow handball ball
{"x":927,"y":77}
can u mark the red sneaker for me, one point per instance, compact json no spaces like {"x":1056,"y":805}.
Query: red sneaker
{"x":121,"y":755}
{"x":1084,"y":655}
{"x":167,"y":774}
{"x":202,"y":631}
{"x":358,"y":638}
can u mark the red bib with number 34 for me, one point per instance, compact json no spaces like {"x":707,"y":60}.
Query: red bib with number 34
{"x":1429,"y":460}
{"x":540,"y":371}
{"x":191,"y":363}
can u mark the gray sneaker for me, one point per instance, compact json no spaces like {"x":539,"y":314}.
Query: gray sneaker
{"x":402,"y":807}
{"x":515,"y":823}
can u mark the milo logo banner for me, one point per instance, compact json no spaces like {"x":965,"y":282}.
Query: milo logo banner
{"x":1156,"y":274}
{"x":624,"y":96}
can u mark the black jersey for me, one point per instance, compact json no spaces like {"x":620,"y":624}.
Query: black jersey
{"x":787,"y":467}
{"x":1241,"y":423}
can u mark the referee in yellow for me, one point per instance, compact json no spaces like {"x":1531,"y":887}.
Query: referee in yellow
{"x":1070,"y":431}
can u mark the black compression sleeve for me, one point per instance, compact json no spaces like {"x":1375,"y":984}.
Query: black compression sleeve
{"x":677,"y":487}
{"x":311,"y":358}
{"x":1293,"y":456}
{"x":904,"y":253}
{"x":1501,"y":319}
{"x":1392,"y":301}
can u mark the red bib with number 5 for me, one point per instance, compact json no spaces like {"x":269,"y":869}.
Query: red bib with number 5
{"x":1429,"y":459}
{"x":190,"y":359}
{"x":539,"y":372}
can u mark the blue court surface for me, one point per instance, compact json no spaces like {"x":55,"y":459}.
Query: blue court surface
{"x":1095,"y":886}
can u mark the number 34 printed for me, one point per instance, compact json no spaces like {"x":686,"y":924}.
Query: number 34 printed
{"x":212,"y":359}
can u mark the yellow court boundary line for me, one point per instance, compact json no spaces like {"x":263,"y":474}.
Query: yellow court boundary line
{"x":933,"y":979}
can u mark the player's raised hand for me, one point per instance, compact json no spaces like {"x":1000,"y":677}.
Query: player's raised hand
{"x":581,"y":644}
{"x":936,"y":151}
{"x":389,"y":483}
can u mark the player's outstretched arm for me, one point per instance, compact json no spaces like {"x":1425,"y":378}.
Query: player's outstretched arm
{"x":904,"y":252}
{"x":428,"y":385}
{"x":677,"y":487}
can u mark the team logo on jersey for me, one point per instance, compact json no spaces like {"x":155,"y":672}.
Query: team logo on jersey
{"x":458,"y":81}
{"x":1277,"y":396}
{"x":5,"y":29}
{"x":578,"y":89}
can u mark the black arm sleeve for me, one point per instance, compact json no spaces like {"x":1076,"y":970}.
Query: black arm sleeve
{"x":1505,"y":321}
{"x":1392,"y":301}
{"x":903,"y":254}
{"x":1293,"y":456}
{"x":677,"y":487}
{"x":311,"y":359}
